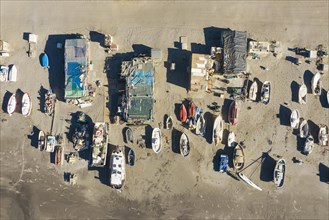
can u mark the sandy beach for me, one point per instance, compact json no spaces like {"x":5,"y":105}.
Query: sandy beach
{"x":165,"y":185}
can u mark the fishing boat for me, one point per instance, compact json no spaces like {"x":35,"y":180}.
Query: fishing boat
{"x":316,"y":84}
{"x":302,"y":94}
{"x":45,"y":61}
{"x":50,"y":101}
{"x":26,"y":105}
{"x":328,"y":97}
{"x":309,"y":144}
{"x":41,"y":141}
{"x":323,"y":135}
{"x":117,"y":168}
{"x":200,"y":125}
{"x":231,"y":142}
{"x":12,"y":74}
{"x":156,"y":140}
{"x":191,"y":110}
{"x":129,"y":135}
{"x":248,"y":181}
{"x":12,"y":103}
{"x":51,"y":143}
{"x":223,"y":163}
{"x":182,"y":113}
{"x":233,"y":113}
{"x":294,"y":119}
{"x":279,"y":173}
{"x":169,"y":123}
{"x":131,"y":157}
{"x":59,"y":155}
{"x":253,"y":91}
{"x":266,"y":92}
{"x":218,"y":130}
{"x":81,"y":134}
{"x":303,"y":129}
{"x":99,"y":145}
{"x":184,"y":145}
{"x":238,"y":158}
{"x":3,"y":73}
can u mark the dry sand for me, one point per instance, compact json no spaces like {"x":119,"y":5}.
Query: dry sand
{"x":165,"y":185}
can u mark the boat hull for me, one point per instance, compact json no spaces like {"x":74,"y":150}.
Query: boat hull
{"x":266,"y":92}
{"x":12,"y":103}
{"x":279,"y":173}
{"x":156,"y":140}
{"x":294,"y":119}
{"x":26,"y":105}
{"x":182,"y":113}
{"x":45,"y":61}
{"x":218,"y":130}
{"x":233,"y":113}
{"x":238,"y":158}
{"x":253,"y":91}
{"x":184,"y":145}
{"x":302,"y":94}
{"x":323,"y":135}
{"x":12,"y":74}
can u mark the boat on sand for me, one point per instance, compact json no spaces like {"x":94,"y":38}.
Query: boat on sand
{"x":302,"y":94}
{"x":184,"y":145}
{"x":316,"y":84}
{"x":12,"y":76}
{"x":238,"y":158}
{"x":156,"y":140}
{"x":294,"y":119}
{"x":41,"y":140}
{"x":279,"y":173}
{"x":253,"y":91}
{"x":12,"y":103}
{"x":200,"y":128}
{"x":248,"y":181}
{"x":218,"y":130}
{"x":233,"y":113}
{"x":303,"y":129}
{"x":131,"y":157}
{"x":309,"y":144}
{"x":26,"y":105}
{"x":50,"y":101}
{"x":266,"y":92}
{"x":169,"y":123}
{"x":182,"y":113}
{"x":99,"y":145}
{"x":129,"y":135}
{"x":323,"y":135}
{"x":231,"y":140}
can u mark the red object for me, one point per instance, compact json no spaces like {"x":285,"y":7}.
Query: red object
{"x":233,"y":113}
{"x":182,"y":113}
{"x":191,"y":110}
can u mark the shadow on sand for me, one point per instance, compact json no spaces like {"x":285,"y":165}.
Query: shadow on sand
{"x":313,"y":130}
{"x":323,"y":173}
{"x":294,"y":91}
{"x":267,"y":167}
{"x":284,"y":115}
{"x":308,"y":75}
{"x":34,"y":136}
{"x":175,"y":138}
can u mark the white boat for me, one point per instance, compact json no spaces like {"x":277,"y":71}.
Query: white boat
{"x":238,"y":158}
{"x":184,"y":145}
{"x":303,"y":129}
{"x":328,"y":97}
{"x":12,"y":74}
{"x":41,"y":141}
{"x":302,"y":94}
{"x":248,"y":181}
{"x":169,"y":123}
{"x":156,"y":140}
{"x":309,"y":144}
{"x":266,"y":92}
{"x":253,"y":91}
{"x":12,"y":103}
{"x":279,"y":173}
{"x":99,"y":145}
{"x":231,"y":142}
{"x":316,"y":84}
{"x":3,"y":73}
{"x":323,"y":135}
{"x":51,"y":143}
{"x":294,"y":119}
{"x":200,"y":126}
{"x":117,"y":168}
{"x":217,"y":135}
{"x":26,"y":105}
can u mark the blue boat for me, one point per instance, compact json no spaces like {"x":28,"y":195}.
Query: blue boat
{"x":45,"y":61}
{"x":131,"y":157}
{"x":223,"y":164}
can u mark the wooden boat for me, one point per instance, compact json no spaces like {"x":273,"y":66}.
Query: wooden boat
{"x":51,"y":143}
{"x":294,"y":119}
{"x":303,"y":129}
{"x":323,"y":135}
{"x":26,"y":105}
{"x":302,"y":94}
{"x":59,"y":156}
{"x":156,"y":140}
{"x":41,"y":141}
{"x":231,"y":142}
{"x":45,"y":61}
{"x":309,"y":144}
{"x":248,"y":181}
{"x":253,"y":91}
{"x":50,"y":101}
{"x":238,"y":158}
{"x":200,"y":125}
{"x":3,"y":73}
{"x":279,"y":173}
{"x":131,"y":157}
{"x":129,"y":135}
{"x":169,"y":123}
{"x":266,"y":92}
{"x":191,"y":110}
{"x":233,"y":113}
{"x":81,"y":136}
{"x":316,"y":84}
{"x":217,"y":134}
{"x":117,"y":168}
{"x":99,"y":145}
{"x":184,"y":145}
{"x":12,"y":103}
{"x":182,"y":113}
{"x":12,"y":74}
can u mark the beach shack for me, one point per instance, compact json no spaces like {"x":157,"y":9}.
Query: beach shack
{"x":200,"y":66}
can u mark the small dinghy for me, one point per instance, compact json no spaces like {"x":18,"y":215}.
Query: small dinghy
{"x":45,"y":61}
{"x":50,"y":101}
{"x":279,"y":173}
{"x":3,"y":73}
{"x":253,"y":91}
{"x":231,"y":142}
{"x":131,"y":157}
{"x":217,"y":135}
{"x":316,"y":84}
{"x":266,"y":92}
{"x":129,"y":135}
{"x":156,"y":140}
{"x":309,"y":144}
{"x":303,"y":129}
{"x":294,"y":119}
{"x":191,"y":110}
{"x":233,"y":113}
{"x":223,"y":163}
{"x":200,"y":126}
{"x":302,"y":94}
{"x":169,"y":123}
{"x":184,"y":145}
{"x":12,"y":103}
{"x":12,"y":74}
{"x":41,"y":141}
{"x":51,"y":143}
{"x":238,"y":158}
{"x":26,"y":105}
{"x":182,"y":113}
{"x":323,"y":135}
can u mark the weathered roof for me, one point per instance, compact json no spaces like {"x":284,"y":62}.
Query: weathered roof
{"x":198,"y":71}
